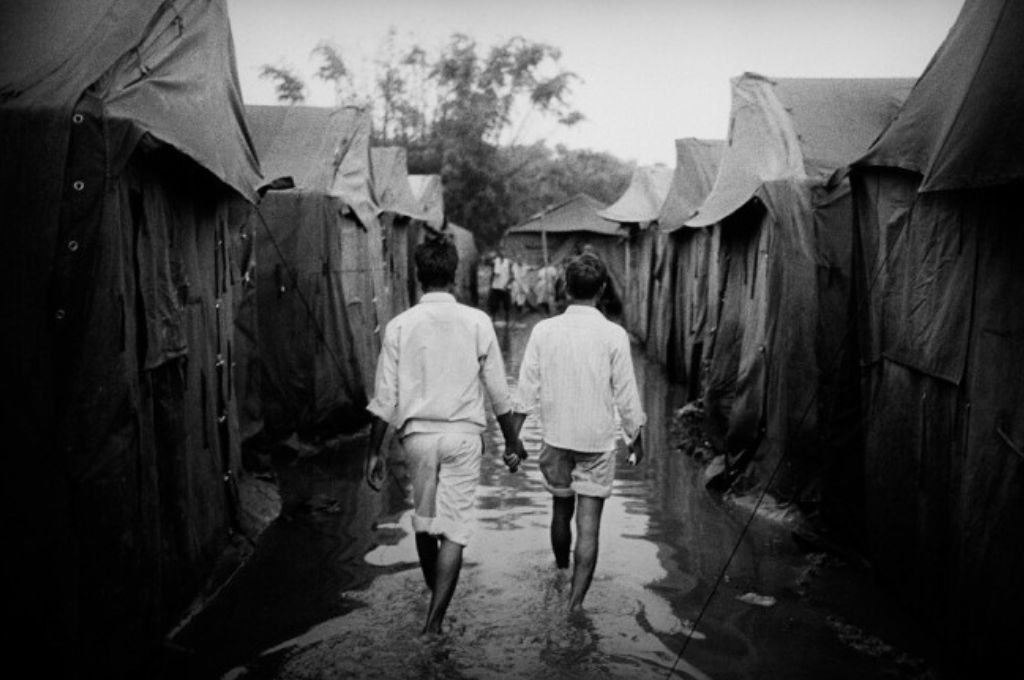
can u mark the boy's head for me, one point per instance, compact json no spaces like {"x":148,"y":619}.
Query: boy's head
{"x":584,"y":276}
{"x":436,"y":262}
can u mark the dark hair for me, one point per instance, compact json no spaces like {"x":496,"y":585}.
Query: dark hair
{"x":584,"y":276}
{"x":436,"y":262}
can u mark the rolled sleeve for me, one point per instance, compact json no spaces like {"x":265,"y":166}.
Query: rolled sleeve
{"x":624,"y":389}
{"x":492,"y":368}
{"x":384,"y":404}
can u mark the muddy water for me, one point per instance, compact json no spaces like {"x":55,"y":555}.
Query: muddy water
{"x":334,"y":589}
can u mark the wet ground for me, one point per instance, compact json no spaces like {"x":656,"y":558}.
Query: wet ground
{"x":333,"y":589}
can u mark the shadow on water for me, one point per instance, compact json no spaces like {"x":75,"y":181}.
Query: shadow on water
{"x":334,"y":590}
{"x":304,"y":565}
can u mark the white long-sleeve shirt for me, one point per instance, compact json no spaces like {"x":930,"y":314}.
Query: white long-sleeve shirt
{"x":576,"y":371}
{"x":436,"y":360}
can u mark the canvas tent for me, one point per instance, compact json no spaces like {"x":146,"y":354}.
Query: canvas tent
{"x":636,"y":211}
{"x":401,"y":215}
{"x":314,"y":344}
{"x":940,"y":267}
{"x":777,"y":349}
{"x":566,"y":229}
{"x":684,"y":267}
{"x":469,"y":260}
{"x":429,"y":192}
{"x":126,"y":165}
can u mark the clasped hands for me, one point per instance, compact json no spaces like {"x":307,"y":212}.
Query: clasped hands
{"x":515,"y":453}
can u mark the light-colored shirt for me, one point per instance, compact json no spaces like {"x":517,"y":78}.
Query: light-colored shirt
{"x":436,"y":360}
{"x":576,"y":372}
{"x":545,"y":287}
{"x":502,"y":275}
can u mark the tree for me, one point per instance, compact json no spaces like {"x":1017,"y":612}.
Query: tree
{"x":461,"y":112}
{"x":540,"y":178}
{"x":288,"y":86}
{"x":334,"y":71}
{"x":480,"y":104}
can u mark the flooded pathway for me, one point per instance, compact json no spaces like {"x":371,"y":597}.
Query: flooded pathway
{"x":334,"y":590}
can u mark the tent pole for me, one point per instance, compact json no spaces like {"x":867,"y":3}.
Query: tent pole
{"x":544,"y":242}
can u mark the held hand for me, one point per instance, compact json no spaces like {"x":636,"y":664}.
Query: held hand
{"x":375,"y":471}
{"x":636,"y":451}
{"x":514,"y":454}
{"x":521,"y":450}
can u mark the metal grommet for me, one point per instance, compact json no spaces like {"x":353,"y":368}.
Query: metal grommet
{"x":77,"y":118}
{"x":72,"y":245}
{"x":59,"y":314}
{"x":78,"y":185}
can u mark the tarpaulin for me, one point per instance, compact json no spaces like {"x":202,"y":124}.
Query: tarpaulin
{"x":638,"y":206}
{"x":774,"y":349}
{"x":466,"y":290}
{"x":696,"y":168}
{"x":429,"y":193}
{"x":642,"y":200}
{"x":960,"y":127}
{"x":401,"y":215}
{"x":391,"y":184}
{"x":944,"y":401}
{"x":796,"y":128}
{"x":312,"y":377}
{"x":940,"y":267}
{"x":318,"y":358}
{"x":122,"y":150}
{"x":327,"y":151}
{"x":689,"y":257}
{"x":681,"y":269}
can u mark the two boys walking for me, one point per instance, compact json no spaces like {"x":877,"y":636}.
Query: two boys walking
{"x":436,"y":361}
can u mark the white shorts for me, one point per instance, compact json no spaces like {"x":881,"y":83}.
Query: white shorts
{"x":445,"y":470}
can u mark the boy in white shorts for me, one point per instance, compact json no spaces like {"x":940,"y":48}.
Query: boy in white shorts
{"x":436,"y":360}
{"x":576,"y":372}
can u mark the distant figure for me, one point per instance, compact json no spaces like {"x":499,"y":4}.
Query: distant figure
{"x":547,"y":278}
{"x":577,"y":371}
{"x":520,"y":285}
{"x":501,"y":283}
{"x":436,"y":360}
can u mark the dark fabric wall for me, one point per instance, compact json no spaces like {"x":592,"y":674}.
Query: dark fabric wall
{"x":312,"y":378}
{"x":780,"y":389}
{"x":688,"y":255}
{"x":944,"y":477}
{"x":125,"y":482}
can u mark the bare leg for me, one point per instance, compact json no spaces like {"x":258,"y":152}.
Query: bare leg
{"x":561,"y":529}
{"x":449,"y":563}
{"x":426,"y":548}
{"x":588,"y":525}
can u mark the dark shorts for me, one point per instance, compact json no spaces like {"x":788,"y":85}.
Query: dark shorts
{"x":498,"y":298}
{"x":567,"y":473}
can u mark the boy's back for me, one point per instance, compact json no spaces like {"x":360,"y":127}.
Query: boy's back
{"x":576,"y":370}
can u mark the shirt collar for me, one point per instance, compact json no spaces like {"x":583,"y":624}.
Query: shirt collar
{"x":437,"y":297}
{"x":582,"y":309}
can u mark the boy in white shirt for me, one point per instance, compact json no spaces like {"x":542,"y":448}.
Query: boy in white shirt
{"x":437,"y":360}
{"x":576,"y":371}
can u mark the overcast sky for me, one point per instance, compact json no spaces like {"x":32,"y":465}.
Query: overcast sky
{"x":652,"y":70}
